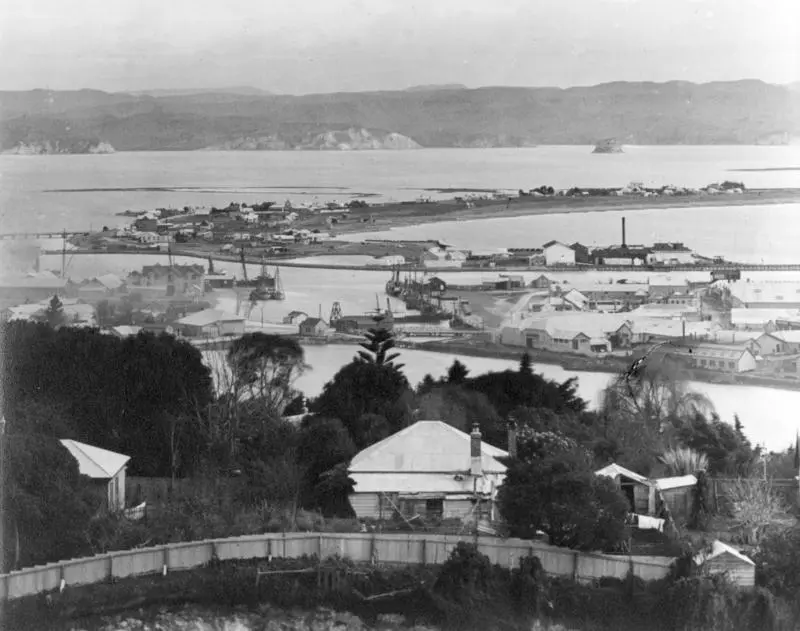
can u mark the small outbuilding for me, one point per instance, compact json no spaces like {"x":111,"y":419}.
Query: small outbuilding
{"x":678,"y":495}
{"x":313,"y":327}
{"x":723,"y":559}
{"x":211,"y":323}
{"x":105,"y":468}
{"x":635,"y":487}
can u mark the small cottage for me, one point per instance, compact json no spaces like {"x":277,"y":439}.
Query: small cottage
{"x":105,"y":468}
{"x":313,"y":327}
{"x":429,"y":469}
{"x":723,"y":559}
{"x":557,"y":253}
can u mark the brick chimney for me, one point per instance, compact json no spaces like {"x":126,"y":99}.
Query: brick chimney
{"x":512,"y":438}
{"x":476,"y":465}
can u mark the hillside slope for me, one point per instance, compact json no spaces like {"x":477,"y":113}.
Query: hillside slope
{"x":741,"y":112}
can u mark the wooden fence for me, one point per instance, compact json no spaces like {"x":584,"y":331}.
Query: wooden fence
{"x":358,"y":547}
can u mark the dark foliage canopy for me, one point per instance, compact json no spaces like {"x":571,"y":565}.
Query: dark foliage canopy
{"x":123,"y":395}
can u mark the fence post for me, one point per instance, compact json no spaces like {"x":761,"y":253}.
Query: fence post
{"x":284,"y":544}
{"x":110,"y":576}
{"x":165,"y":559}
{"x":319,"y":546}
{"x":372,"y":550}
{"x":576,"y":558}
{"x":424,"y":551}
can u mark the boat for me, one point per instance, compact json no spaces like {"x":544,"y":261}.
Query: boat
{"x":394,"y":287}
{"x":265,"y":286}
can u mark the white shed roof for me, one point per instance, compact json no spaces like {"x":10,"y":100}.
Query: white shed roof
{"x":664,"y":484}
{"x":95,"y":462}
{"x":718,"y":549}
{"x":614,"y":470}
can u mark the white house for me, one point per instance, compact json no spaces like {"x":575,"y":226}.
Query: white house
{"x":107,"y":468}
{"x":429,"y":469}
{"x":670,"y":254}
{"x":557,"y":253}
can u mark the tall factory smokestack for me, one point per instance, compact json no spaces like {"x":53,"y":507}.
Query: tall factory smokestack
{"x":623,"y":233}
{"x":475,"y":467}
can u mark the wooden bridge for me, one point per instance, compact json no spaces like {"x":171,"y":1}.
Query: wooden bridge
{"x":40,"y":235}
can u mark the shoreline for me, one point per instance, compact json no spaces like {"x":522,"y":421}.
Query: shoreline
{"x":574,"y":363}
{"x":558,"y":206}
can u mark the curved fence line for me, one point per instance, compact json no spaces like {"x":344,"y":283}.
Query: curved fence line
{"x":359,"y":547}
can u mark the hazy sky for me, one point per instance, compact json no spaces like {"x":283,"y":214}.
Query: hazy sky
{"x":301,"y":46}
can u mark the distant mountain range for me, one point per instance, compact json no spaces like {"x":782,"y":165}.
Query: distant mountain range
{"x":738,"y":112}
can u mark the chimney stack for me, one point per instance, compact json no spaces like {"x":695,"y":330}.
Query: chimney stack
{"x":512,"y":438}
{"x":476,"y":467}
{"x":624,"y":245}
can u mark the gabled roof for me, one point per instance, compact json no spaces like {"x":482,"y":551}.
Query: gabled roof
{"x":97,"y":463}
{"x":209,"y":316}
{"x":425,"y":447}
{"x":718,"y":549}
{"x":110,"y":281}
{"x":762,"y":316}
{"x":614,"y":471}
{"x":790,"y":337}
{"x":710,"y":351}
{"x":311,"y":322}
{"x":550,"y":244}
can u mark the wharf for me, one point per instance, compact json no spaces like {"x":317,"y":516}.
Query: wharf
{"x":708,"y":267}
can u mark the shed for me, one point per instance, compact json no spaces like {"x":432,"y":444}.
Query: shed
{"x":678,"y":494}
{"x":106,"y":468}
{"x":211,"y":322}
{"x":723,"y":559}
{"x":635,"y":487}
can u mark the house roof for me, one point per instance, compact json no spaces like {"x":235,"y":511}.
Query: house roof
{"x":754,"y":293}
{"x":718,"y":549}
{"x":664,"y":484}
{"x":672,"y":328}
{"x":711,"y":351}
{"x":762,"y":316}
{"x":550,"y":244}
{"x":126,"y":330}
{"x":425,"y":447}
{"x":666,"y":280}
{"x":209,"y":316}
{"x":567,"y":325}
{"x":738,"y":337}
{"x":109,"y":281}
{"x":614,"y":471}
{"x":790,"y":337}
{"x":97,"y":463}
{"x":662,"y":310}
{"x":311,"y":322}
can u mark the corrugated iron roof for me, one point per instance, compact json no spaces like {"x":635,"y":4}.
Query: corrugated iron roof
{"x":425,"y":447}
{"x":664,"y":484}
{"x":95,"y":462}
{"x":717,"y":549}
{"x":614,"y":470}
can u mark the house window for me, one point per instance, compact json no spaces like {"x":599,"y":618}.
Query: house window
{"x":702,"y":362}
{"x":434,"y":507}
{"x":575,"y":344}
{"x":731,"y":365}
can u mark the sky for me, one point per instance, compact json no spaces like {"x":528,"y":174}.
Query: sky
{"x":314,"y":46}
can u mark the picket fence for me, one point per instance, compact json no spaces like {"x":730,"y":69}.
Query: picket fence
{"x":358,"y":547}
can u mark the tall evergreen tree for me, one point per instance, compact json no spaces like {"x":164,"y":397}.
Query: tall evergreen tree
{"x":525,"y":364}
{"x":379,"y":342}
{"x":54,"y":314}
{"x":457,"y":373}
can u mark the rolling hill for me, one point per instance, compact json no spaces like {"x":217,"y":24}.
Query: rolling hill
{"x":740,"y":112}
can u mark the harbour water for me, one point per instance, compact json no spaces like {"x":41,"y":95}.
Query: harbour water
{"x":148,"y":180}
{"x":74,"y":191}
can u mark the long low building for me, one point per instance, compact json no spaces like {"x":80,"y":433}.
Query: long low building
{"x":584,"y":333}
{"x":764,"y":319}
{"x":708,"y":356}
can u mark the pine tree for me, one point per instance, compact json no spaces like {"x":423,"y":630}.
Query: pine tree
{"x":457,"y":373}
{"x":380,"y":341}
{"x":525,"y":364}
{"x":55,"y":312}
